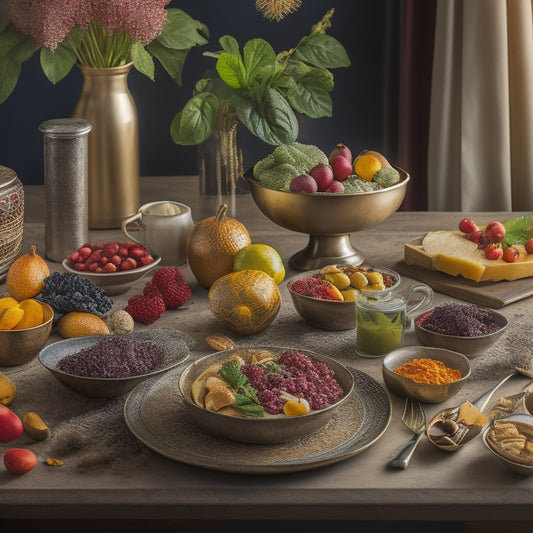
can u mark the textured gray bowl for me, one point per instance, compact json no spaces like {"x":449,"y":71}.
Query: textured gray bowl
{"x":425,"y":392}
{"x":330,"y":314}
{"x":464,"y":345}
{"x":270,"y":428}
{"x":114,"y":283}
{"x":175,"y":344}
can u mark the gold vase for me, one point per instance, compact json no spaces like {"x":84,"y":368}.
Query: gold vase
{"x":220,"y":168}
{"x":106,"y":102}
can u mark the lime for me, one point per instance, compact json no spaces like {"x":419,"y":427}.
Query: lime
{"x":260,"y":257}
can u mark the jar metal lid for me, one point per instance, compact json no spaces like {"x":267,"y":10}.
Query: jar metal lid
{"x":65,"y":127}
{"x":382,"y":305}
{"x":7,"y":177}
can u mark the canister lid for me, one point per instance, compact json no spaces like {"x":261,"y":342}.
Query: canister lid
{"x":65,"y":127}
{"x":390,"y":304}
{"x":7,"y":177}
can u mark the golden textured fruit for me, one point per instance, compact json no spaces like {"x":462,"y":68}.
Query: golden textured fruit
{"x":246,"y":301}
{"x":365,"y":166}
{"x":33,"y":314}
{"x":10,"y":317}
{"x":25,"y":277}
{"x":380,"y":157}
{"x":212,"y":245}
{"x":80,"y":324}
{"x":35,"y":427}
{"x":8,"y":390}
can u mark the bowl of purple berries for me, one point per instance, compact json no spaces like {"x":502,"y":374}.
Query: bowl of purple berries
{"x":108,"y":366}
{"x":463,"y":328}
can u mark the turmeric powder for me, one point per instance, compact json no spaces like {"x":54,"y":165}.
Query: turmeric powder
{"x":426,"y":370}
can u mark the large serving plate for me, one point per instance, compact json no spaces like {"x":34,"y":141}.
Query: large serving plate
{"x":156,"y":414}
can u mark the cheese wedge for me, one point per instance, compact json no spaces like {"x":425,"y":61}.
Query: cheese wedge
{"x":453,"y":253}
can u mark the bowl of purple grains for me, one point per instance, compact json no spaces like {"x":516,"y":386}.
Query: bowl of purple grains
{"x":468,"y":329}
{"x":262,"y":389}
{"x":107,"y":366}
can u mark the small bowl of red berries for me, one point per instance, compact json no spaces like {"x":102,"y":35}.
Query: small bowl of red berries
{"x":113,"y":266}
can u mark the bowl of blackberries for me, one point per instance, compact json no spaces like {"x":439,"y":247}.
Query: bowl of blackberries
{"x":114,"y":266}
{"x":464,"y":328}
{"x":107,"y":366}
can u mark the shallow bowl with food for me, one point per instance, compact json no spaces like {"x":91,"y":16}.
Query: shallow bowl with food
{"x":328,"y":218}
{"x":520,"y":464}
{"x":268,"y":428}
{"x":114,"y":283}
{"x":334,"y":314}
{"x":18,"y":346}
{"x":175,"y":346}
{"x":425,"y":392}
{"x":466,"y":345}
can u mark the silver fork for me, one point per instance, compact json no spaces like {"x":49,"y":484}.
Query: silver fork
{"x":413,"y":418}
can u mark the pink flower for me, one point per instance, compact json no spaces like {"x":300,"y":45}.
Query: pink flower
{"x":48,"y":23}
{"x":141,"y":19}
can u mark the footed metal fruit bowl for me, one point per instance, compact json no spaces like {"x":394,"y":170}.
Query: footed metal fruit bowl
{"x":328,"y":218}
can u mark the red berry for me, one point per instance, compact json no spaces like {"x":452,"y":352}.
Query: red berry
{"x":467,"y":225}
{"x":19,"y":460}
{"x":75,"y":257}
{"x":91,"y":267}
{"x":511,"y":254}
{"x":479,"y":238}
{"x":529,"y":246}
{"x":145,"y":259}
{"x":110,"y":249}
{"x":85,"y":252}
{"x":116,"y":260}
{"x":79,"y":266}
{"x":136,"y":251}
{"x":128,"y":264}
{"x":495,"y":231}
{"x":493,"y":252}
{"x":110,"y":267}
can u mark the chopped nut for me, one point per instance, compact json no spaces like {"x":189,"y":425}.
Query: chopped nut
{"x":53,"y":462}
{"x":220,"y":342}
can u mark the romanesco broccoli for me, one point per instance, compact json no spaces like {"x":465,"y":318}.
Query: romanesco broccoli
{"x":355,"y":184}
{"x":386,"y":177}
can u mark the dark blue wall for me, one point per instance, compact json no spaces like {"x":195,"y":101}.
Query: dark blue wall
{"x":362,"y":96}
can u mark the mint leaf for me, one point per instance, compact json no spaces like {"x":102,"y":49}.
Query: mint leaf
{"x":248,"y":408}
{"x":56,"y":65}
{"x":230,"y":372}
{"x":518,"y":230}
{"x":196,"y":121}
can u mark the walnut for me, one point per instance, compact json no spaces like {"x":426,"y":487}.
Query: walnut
{"x":121,"y":322}
{"x":220,"y":342}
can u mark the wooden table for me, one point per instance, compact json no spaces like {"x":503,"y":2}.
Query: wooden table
{"x":467,"y":486}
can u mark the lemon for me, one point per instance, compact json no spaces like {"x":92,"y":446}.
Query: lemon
{"x":260,"y":257}
{"x":365,"y":166}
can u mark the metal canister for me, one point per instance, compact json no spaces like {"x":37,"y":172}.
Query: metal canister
{"x":65,"y":149}
{"x":11,"y":218}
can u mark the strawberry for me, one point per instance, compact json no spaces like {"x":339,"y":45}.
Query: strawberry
{"x":145,"y":309}
{"x":173,"y":287}
{"x":128,"y":264}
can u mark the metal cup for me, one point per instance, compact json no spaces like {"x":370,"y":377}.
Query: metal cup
{"x":163,"y":228}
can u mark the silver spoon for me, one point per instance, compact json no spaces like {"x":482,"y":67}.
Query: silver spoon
{"x":480,"y":403}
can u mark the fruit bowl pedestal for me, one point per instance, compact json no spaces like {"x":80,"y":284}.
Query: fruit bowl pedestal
{"x":327,"y":218}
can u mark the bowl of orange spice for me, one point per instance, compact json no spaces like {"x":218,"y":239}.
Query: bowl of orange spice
{"x":431,"y":375}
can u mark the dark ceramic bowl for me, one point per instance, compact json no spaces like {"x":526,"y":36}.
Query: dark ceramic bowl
{"x":267,"y":429}
{"x":425,"y":392}
{"x":465,"y":345}
{"x":332,"y":314}
{"x":175,"y":344}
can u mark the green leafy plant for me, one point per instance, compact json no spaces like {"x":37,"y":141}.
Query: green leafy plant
{"x":263,"y":90}
{"x":95,"y":33}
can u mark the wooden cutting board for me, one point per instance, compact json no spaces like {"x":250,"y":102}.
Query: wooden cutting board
{"x":493,"y":294}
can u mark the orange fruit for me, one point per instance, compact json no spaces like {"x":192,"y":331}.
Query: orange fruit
{"x":246,"y":301}
{"x":80,"y":324}
{"x":212,"y":245}
{"x":25,"y":277}
{"x":365,"y":166}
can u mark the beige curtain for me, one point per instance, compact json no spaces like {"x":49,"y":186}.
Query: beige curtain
{"x":480,"y":155}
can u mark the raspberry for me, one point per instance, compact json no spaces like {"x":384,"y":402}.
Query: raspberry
{"x":152,"y":291}
{"x":145,"y":309}
{"x":128,"y":264}
{"x":111,"y":249}
{"x":172,"y":286}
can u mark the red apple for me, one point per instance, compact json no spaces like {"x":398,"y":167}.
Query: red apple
{"x":343,"y":150}
{"x":303,"y":183}
{"x":341,"y":167}
{"x":323,"y":175}
{"x":335,"y":186}
{"x":10,"y":425}
{"x":19,"y":460}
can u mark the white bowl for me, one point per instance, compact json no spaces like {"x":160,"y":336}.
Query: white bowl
{"x":114,"y":283}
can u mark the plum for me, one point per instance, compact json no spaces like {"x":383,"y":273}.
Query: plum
{"x":467,"y":225}
{"x":342,"y":168}
{"x":335,"y":186}
{"x":323,"y":175}
{"x":343,"y":150}
{"x":303,"y":183}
